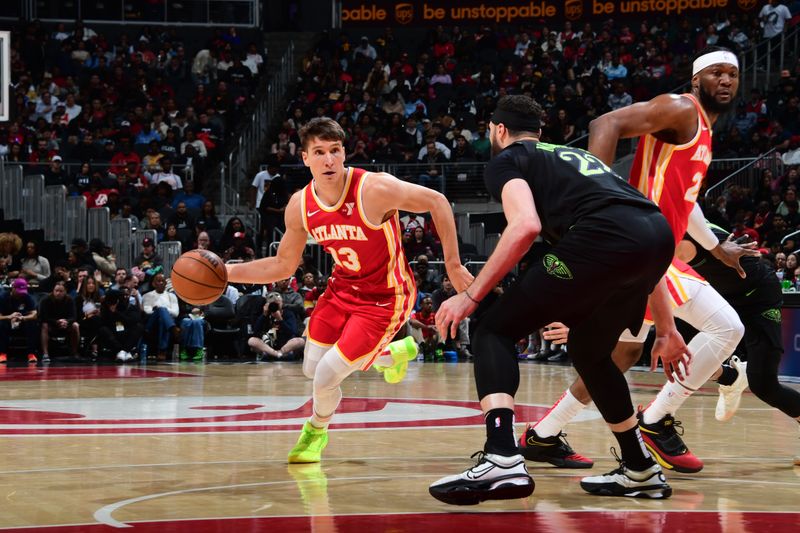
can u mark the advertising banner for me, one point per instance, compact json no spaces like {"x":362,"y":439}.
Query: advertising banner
{"x":790,"y":326}
{"x":382,"y":13}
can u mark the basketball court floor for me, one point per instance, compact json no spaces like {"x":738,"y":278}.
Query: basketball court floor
{"x":173,"y":448}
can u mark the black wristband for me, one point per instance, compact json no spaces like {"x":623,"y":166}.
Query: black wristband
{"x":470,"y":297}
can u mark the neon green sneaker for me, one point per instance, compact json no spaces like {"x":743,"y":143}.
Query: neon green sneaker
{"x":310,"y":445}
{"x":402,"y":352}
{"x":199,"y":354}
{"x":183,"y":355}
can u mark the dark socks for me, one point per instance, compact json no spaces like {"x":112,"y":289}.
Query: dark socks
{"x":728,"y":376}
{"x":634,"y":454}
{"x":500,"y":432}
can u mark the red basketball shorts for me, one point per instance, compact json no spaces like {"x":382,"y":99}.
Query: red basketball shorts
{"x":359,"y":325}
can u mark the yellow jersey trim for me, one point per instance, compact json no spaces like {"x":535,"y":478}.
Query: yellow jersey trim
{"x":342,"y":198}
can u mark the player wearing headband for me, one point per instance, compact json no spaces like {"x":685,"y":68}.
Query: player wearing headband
{"x":672,"y":158}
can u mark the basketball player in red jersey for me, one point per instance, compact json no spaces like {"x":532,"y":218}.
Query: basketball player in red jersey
{"x":352,"y":213}
{"x":671,"y":161}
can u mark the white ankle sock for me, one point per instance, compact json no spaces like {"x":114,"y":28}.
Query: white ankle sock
{"x":564,"y":410}
{"x":667,"y":402}
{"x":320,"y":422}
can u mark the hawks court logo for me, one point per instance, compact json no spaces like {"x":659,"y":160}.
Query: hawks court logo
{"x":555,"y":267}
{"x":404,"y":13}
{"x":216,"y":414}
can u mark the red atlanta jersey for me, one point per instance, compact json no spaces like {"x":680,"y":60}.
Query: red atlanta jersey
{"x":671,"y":175}
{"x":368,"y":257}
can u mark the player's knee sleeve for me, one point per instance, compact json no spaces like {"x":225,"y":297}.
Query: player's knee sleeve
{"x":718,"y":338}
{"x":330,"y":372}
{"x":727,"y":330}
{"x":311,"y":357}
{"x":724,"y":330}
{"x":496,"y":366}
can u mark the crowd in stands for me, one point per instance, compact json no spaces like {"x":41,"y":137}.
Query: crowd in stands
{"x":91,"y":310}
{"x":393,"y":103}
{"x":132,"y":120}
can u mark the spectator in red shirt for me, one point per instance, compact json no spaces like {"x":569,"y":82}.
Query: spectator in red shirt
{"x":443,"y":48}
{"x":43,"y":154}
{"x":423,"y":328}
{"x":96,"y":196}
{"x":310,"y":292}
{"x":739,"y":229}
{"x":126,"y":157}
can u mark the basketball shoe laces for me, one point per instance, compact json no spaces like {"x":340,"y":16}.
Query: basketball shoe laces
{"x":481,"y":457}
{"x":567,"y":448}
{"x":621,"y":469}
{"x":307,"y":438}
{"x":673,"y":429}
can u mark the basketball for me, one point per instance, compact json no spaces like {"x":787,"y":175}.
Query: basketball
{"x":199,"y":277}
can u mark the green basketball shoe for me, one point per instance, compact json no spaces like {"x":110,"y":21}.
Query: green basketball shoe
{"x":402,"y":352}
{"x":310,"y":445}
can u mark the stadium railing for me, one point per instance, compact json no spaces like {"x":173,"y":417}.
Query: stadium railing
{"x":75,"y":226}
{"x":233,"y":175}
{"x":99,"y":224}
{"x":744,"y":172}
{"x":121,"y":241}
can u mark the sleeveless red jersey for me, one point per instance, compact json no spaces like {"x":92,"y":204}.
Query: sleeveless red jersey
{"x":370,"y":258}
{"x":671,"y":175}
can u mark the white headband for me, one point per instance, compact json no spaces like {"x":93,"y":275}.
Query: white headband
{"x":713,"y":58}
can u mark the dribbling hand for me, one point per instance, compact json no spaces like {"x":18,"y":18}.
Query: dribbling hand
{"x":672,"y":351}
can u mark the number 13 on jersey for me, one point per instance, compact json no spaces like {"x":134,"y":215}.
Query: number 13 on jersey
{"x":346,"y":258}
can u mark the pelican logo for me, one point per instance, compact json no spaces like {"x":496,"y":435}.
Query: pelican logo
{"x":404,"y":13}
{"x":747,"y":5}
{"x":573,"y":9}
{"x":555,"y":267}
{"x":772,"y":314}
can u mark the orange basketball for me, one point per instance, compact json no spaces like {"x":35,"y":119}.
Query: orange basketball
{"x":199,"y":277}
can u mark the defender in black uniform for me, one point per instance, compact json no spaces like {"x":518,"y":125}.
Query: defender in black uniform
{"x":757,"y":299}
{"x":611,"y":247}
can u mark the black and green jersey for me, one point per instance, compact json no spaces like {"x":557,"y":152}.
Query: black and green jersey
{"x":567,"y":183}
